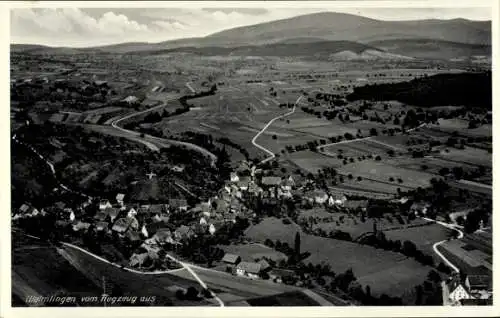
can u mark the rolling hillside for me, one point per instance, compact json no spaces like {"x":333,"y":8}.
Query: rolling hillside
{"x":338,"y":26}
{"x":322,"y":49}
{"x":322,"y":34}
{"x":427,"y":48}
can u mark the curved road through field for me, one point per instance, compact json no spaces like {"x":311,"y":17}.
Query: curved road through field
{"x":183,"y":264}
{"x":271,"y":154}
{"x":51,"y":166}
{"x":435,"y":246}
{"x":152,"y":142}
{"x":365,"y":138}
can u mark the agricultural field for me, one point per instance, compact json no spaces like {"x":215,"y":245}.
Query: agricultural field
{"x":382,"y":172}
{"x":353,"y":224}
{"x":373,"y":186}
{"x":252,"y":251}
{"x":371,"y":266}
{"x":467,"y":257}
{"x":469,"y":155}
{"x":449,"y":126}
{"x":423,"y":237}
{"x":429,"y":164}
{"x":311,"y":161}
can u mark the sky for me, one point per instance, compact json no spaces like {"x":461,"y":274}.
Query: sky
{"x":83,"y":27}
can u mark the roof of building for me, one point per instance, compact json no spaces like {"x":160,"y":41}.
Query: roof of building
{"x":453,"y":284}
{"x":177,"y":203}
{"x":479,"y":281}
{"x":133,"y":236}
{"x":60,"y":205}
{"x":156,"y":208}
{"x":120,"y":196}
{"x":81,"y":226}
{"x":281,"y":272}
{"x":24,"y":208}
{"x":420,"y":205}
{"x":183,"y":230}
{"x":101,"y":216}
{"x":354,"y":204}
{"x":271,"y":180}
{"x":113,"y":212}
{"x":264,"y":264}
{"x":249,"y":267}
{"x":319,"y":193}
{"x":131,"y":99}
{"x":121,"y":225}
{"x":163,"y":234}
{"x":231,"y":258}
{"x":137,"y":259}
{"x":101,"y":225}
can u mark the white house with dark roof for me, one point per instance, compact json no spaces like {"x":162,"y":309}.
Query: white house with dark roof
{"x":457,"y":291}
{"x":249,"y":269}
{"x":119,"y":198}
{"x":271,"y":181}
{"x":231,"y":259}
{"x":104,"y":204}
{"x":234,"y":177}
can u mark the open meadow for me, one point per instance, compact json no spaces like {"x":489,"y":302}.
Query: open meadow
{"x":371,"y":266}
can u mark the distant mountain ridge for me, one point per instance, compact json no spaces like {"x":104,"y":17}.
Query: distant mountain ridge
{"x":340,"y":26}
{"x":321,"y":32}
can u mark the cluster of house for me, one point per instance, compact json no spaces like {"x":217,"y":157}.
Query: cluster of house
{"x":254,"y":270}
{"x":475,"y":290}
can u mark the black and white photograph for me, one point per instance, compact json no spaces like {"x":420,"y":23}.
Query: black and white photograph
{"x":224,"y":155}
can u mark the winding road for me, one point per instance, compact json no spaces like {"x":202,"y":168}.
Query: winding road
{"x":365,"y":138}
{"x":435,"y":246}
{"x":154,"y":143}
{"x":271,"y":154}
{"x":184,"y":265}
{"x":51,"y":166}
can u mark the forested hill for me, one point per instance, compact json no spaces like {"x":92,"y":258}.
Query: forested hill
{"x":462,"y":89}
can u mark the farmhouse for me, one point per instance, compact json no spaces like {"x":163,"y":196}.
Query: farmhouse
{"x":104,"y":204}
{"x":81,"y":226}
{"x":163,"y":236}
{"x":420,"y":208}
{"x":131,"y":212}
{"x":112,"y":212}
{"x":250,"y":269}
{"x":102,"y":226}
{"x":183,"y":232}
{"x":138,"y":259}
{"x":271,"y":181}
{"x":264,"y":265}
{"x":157,"y":209}
{"x":277,"y":274}
{"x":131,"y":99}
{"x":121,"y":225}
{"x":234,"y":177}
{"x":133,"y":236}
{"x":479,"y":285}
{"x":457,"y":291}
{"x":287,"y":184}
{"x":243,"y":183}
{"x":320,"y":196}
{"x":356,"y":204}
{"x":337,"y":199}
{"x":26,"y":211}
{"x":231,"y":259}
{"x":180,"y":204}
{"x":119,"y":198}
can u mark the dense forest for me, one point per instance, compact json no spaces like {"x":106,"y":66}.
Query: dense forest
{"x":462,"y":89}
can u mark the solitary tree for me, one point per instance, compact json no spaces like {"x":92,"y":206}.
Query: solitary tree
{"x":297,"y":245}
